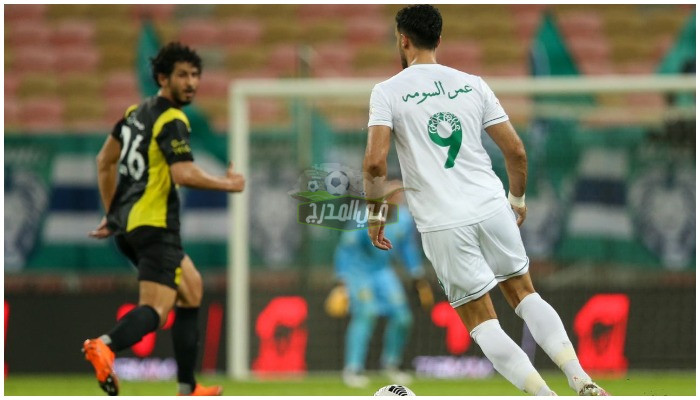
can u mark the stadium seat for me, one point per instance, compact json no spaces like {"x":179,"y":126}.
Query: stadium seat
{"x":199,"y":32}
{"x":184,"y":12}
{"x":12,"y":82}
{"x":38,"y":85}
{"x":284,"y":59}
{"x":361,"y":31}
{"x":108,"y":11}
{"x":213,"y":57}
{"x":594,"y":46}
{"x":24,"y":12}
{"x":214,"y":83}
{"x":460,"y":54}
{"x":12,"y":110}
{"x":280,"y":30}
{"x":332,"y":60}
{"x":73,"y":33}
{"x":246,"y":58}
{"x":152,"y":12}
{"x":27,"y":33}
{"x":592,"y":66}
{"x":116,"y":32}
{"x":577,"y":24}
{"x":370,"y":57}
{"x":308,"y":12}
{"x":267,"y":112}
{"x":526,"y":24}
{"x":42,"y":114}
{"x":116,"y":58}
{"x":237,"y":32}
{"x":35,"y":59}
{"x":83,"y":59}
{"x":323,"y":31}
{"x":120,"y":84}
{"x":84,"y":114}
{"x":81,"y":85}
{"x":70,"y":11}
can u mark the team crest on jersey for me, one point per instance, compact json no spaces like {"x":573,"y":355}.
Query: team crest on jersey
{"x":662,"y":200}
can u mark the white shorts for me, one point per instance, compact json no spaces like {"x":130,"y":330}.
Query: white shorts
{"x":469,"y":260}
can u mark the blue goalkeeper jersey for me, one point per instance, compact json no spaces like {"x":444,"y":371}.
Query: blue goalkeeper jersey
{"x":355,"y":254}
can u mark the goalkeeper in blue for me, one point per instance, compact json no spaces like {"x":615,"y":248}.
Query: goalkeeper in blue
{"x":368,"y":280}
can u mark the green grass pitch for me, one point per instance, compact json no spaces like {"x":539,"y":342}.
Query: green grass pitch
{"x":634,"y":384}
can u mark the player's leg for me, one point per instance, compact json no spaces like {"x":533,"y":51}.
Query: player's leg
{"x":548,"y":331}
{"x":466,"y":278}
{"x":392,"y":300}
{"x":507,"y":357}
{"x":363,"y":317}
{"x":504,"y":251}
{"x":185,"y":331}
{"x":156,"y":297}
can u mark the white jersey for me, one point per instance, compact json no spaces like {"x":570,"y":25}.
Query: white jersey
{"x":437,"y":114}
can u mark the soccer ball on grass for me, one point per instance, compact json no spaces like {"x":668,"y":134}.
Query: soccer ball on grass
{"x":394,"y":390}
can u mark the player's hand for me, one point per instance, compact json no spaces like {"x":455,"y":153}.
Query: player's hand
{"x":425,"y":293}
{"x":376,"y":234}
{"x":522,"y":213}
{"x":338,"y":302}
{"x":102,"y":231}
{"x":236,"y":180}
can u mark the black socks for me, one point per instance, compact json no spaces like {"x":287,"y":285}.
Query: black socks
{"x":186,"y":343}
{"x":132,"y":327}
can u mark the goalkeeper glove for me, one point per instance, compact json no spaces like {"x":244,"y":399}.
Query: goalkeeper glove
{"x":338,"y":302}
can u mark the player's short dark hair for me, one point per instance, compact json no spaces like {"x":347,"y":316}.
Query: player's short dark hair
{"x":171,"y":53}
{"x":420,"y":23}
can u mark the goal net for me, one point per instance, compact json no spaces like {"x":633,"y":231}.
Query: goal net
{"x":611,"y":186}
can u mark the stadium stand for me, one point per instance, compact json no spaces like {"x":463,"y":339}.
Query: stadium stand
{"x":90,"y":50}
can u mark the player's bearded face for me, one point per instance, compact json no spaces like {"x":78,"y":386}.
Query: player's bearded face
{"x":183,"y":83}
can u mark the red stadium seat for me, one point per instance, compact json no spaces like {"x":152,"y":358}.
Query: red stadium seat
{"x":339,"y":11}
{"x":579,"y":23}
{"x":594,"y":47}
{"x":240,"y":32}
{"x":283,"y":59}
{"x":116,"y":106}
{"x":73,"y":33}
{"x":12,"y":110}
{"x":152,"y":11}
{"x":332,"y":60}
{"x":214,"y":83}
{"x":42,"y":114}
{"x":199,"y":32}
{"x":35,"y":59}
{"x":28,"y":33}
{"x":77,"y":59}
{"x":11,"y":85}
{"x":120,"y":84}
{"x":25,"y":12}
{"x":461,"y":55}
{"x":364,"y":31}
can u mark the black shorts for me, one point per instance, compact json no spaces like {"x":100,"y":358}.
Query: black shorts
{"x":155,"y":252}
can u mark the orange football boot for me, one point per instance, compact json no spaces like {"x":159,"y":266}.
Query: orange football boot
{"x":102,"y":359}
{"x":200,"y":390}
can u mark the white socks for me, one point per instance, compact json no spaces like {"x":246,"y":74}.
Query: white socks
{"x":508,"y":358}
{"x":547,"y":329}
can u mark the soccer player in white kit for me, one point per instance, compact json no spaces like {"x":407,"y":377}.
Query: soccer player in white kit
{"x":468,"y":229}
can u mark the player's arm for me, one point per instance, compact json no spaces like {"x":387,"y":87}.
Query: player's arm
{"x":505,"y":137}
{"x":374,"y":172}
{"x":107,"y":162}
{"x":189,"y":174}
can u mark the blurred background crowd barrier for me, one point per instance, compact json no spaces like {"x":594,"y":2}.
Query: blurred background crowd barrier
{"x":611,"y":179}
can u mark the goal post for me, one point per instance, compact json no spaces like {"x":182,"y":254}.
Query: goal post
{"x":242,"y":91}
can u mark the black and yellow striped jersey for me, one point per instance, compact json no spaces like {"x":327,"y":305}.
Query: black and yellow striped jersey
{"x":153,"y":135}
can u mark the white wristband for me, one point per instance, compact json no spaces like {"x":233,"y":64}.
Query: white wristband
{"x":516,"y":201}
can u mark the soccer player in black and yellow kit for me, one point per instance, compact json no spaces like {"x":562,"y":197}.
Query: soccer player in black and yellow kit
{"x":148,"y":153}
